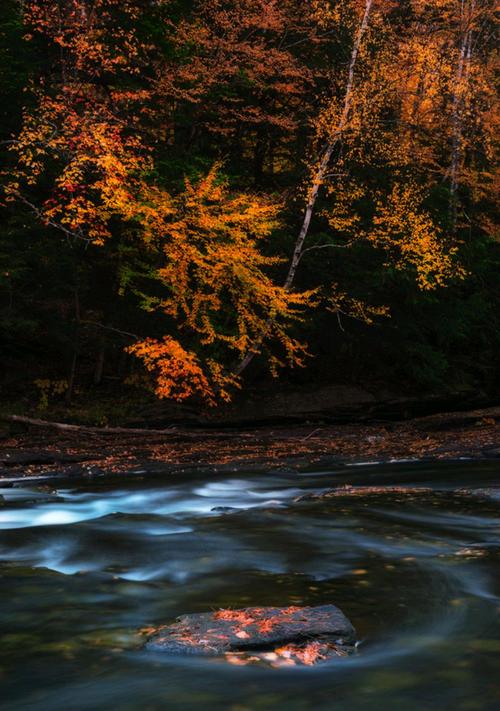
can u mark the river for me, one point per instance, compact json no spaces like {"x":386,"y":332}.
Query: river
{"x":83,"y":568}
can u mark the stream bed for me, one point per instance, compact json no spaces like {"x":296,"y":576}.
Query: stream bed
{"x":84,"y":568}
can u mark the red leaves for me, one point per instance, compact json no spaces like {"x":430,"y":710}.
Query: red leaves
{"x":240,"y":46}
{"x":117,"y":96}
{"x":178,"y":372}
{"x":240,"y":616}
{"x":309,"y":654}
{"x":279,"y":636}
{"x":258,"y":617}
{"x":242,"y":635}
{"x":97,"y":38}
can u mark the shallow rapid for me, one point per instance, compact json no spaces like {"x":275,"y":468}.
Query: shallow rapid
{"x":84,"y":569}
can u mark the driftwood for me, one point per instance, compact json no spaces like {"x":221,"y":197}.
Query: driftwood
{"x":65,"y":427}
{"x":86,"y":429}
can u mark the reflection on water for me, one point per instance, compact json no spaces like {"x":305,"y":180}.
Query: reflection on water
{"x":82,"y":570}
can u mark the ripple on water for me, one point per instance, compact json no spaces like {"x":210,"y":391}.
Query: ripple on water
{"x":83,"y":569}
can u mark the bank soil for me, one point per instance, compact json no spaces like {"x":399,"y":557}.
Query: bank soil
{"x":41,"y":451}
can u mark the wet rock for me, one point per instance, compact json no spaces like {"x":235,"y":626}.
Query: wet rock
{"x":276,"y":635}
{"x":349,"y":491}
{"x":490,"y":492}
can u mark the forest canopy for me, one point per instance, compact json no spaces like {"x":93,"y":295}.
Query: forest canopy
{"x":195,"y":193}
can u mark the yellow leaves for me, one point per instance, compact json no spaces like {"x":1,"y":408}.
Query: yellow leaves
{"x":256,"y":71}
{"x":209,"y":208}
{"x":326,"y":13}
{"x":343,"y":217}
{"x":216,"y":284}
{"x":401,"y":225}
{"x":340,"y":302}
{"x":48,"y":389}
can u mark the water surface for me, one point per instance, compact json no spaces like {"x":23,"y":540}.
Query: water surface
{"x":83,"y":569}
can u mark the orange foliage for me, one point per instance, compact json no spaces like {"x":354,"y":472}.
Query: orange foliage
{"x":216,"y":284}
{"x":177,"y":371}
{"x":308,"y":654}
{"x":97,"y":163}
{"x":231,"y":47}
{"x":95,"y":37}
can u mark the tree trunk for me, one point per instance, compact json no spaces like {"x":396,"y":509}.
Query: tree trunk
{"x":76,"y":348}
{"x":457,"y":110}
{"x":318,"y":179}
{"x":259,"y":157}
{"x":336,"y":137}
{"x":99,"y":365}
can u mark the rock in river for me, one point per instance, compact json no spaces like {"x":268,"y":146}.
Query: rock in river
{"x":276,"y":635}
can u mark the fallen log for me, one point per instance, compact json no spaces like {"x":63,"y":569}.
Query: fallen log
{"x":87,"y":429}
{"x":65,"y":427}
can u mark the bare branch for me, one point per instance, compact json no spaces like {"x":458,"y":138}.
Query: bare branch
{"x":112,"y":328}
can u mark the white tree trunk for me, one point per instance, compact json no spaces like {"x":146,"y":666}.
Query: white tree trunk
{"x":336,"y":136}
{"x":461,"y":77}
{"x":318,"y":177}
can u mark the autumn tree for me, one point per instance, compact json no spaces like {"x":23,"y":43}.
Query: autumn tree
{"x":85,"y":145}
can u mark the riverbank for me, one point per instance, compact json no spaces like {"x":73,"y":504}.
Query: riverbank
{"x":28,"y":451}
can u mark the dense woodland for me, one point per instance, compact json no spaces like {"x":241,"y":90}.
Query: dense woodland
{"x":199,"y":195}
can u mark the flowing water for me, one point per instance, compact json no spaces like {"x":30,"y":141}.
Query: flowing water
{"x":83,"y":569}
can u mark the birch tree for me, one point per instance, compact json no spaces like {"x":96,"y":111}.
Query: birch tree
{"x":319,"y":172}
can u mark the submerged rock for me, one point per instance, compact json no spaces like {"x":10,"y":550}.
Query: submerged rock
{"x":276,"y":635}
{"x":349,"y":491}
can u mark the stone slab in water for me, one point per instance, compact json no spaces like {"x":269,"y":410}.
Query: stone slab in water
{"x":298,"y":634}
